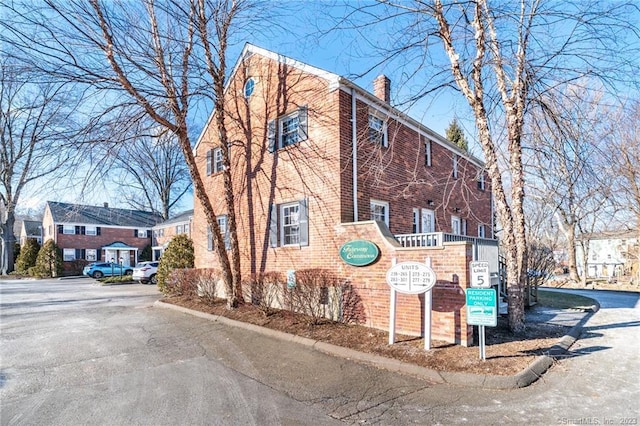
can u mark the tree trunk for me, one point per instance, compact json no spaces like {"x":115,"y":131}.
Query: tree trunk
{"x":8,"y":243}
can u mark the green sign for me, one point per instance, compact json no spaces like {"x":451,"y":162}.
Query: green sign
{"x":481,"y":307}
{"x":359,"y":252}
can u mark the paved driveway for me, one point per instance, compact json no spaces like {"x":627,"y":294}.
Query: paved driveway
{"x":73,"y":352}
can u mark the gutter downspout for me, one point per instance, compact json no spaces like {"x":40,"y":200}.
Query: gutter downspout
{"x":354,"y":155}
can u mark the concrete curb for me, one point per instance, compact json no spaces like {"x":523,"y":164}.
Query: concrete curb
{"x":526,"y":377}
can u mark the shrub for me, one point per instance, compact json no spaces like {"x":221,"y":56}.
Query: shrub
{"x":265,"y":290}
{"x":206,"y":281}
{"x":181,"y":282}
{"x":145,"y":254}
{"x":49,"y":260}
{"x":311,"y":297}
{"x":178,"y":255}
{"x":28,"y":255}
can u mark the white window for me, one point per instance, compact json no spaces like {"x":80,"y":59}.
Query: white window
{"x":427,"y":153}
{"x":380,"y":211}
{"x":481,"y":181}
{"x":290,"y":224}
{"x":416,"y":221}
{"x":287,"y":130}
{"x":142,"y":233}
{"x":481,"y":231}
{"x":463,"y":231}
{"x":224,"y":230}
{"x":455,"y":225}
{"x":218,"y":164}
{"x":249,"y":85}
{"x":377,"y":130}
{"x":455,"y":165}
{"x":68,"y":229}
{"x":186,"y":228}
{"x":428,"y":221}
{"x":90,"y":230}
{"x":68,"y":254}
{"x":178,"y":229}
{"x":90,"y":254}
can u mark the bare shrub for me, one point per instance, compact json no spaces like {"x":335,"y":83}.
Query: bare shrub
{"x":351,"y":307}
{"x":265,"y":290}
{"x":206,"y":282}
{"x":182,"y":282}
{"x":311,"y":294}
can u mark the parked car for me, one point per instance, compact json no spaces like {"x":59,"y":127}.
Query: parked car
{"x":106,"y":269}
{"x":145,"y":272}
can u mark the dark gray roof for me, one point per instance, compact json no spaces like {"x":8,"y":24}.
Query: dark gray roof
{"x":107,"y":216}
{"x":32,"y":227}
{"x":179,"y":218}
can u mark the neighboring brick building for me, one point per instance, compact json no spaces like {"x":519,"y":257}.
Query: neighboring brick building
{"x":89,"y":233}
{"x":297,"y":134}
{"x":165,"y":231}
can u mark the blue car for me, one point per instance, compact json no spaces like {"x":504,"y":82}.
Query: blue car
{"x":106,"y":269}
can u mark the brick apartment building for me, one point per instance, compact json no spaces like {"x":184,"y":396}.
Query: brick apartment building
{"x":91,"y":234}
{"x":315,"y":158}
{"x":165,"y":231}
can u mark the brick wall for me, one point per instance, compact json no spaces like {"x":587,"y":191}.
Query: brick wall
{"x":320,"y":171}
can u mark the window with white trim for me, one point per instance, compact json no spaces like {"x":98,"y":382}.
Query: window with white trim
{"x":427,"y":153}
{"x":68,"y":254}
{"x":455,"y":166}
{"x":249,"y":86}
{"x":224,"y":230}
{"x":90,"y":254}
{"x":378,"y":130}
{"x":288,"y":129}
{"x":90,"y":230}
{"x":455,"y":225}
{"x":215,"y":161}
{"x":69,"y":229}
{"x":380,"y":211}
{"x":289,"y":224}
{"x":481,"y":185}
{"x":463,"y":229}
{"x":482,"y":231}
{"x":416,"y":221}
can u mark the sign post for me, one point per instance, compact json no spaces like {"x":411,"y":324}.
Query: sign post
{"x":411,"y":278}
{"x":482,"y":311}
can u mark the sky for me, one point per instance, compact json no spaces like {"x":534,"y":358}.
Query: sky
{"x":305,"y":31}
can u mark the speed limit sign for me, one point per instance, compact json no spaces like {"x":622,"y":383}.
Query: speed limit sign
{"x":480,"y":274}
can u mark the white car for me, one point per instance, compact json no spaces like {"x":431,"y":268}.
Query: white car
{"x":145,"y":272}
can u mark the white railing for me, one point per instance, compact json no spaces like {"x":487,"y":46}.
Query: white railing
{"x":484,"y":249}
{"x":432,"y":239}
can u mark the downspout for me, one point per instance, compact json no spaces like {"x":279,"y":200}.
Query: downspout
{"x":354,"y":155}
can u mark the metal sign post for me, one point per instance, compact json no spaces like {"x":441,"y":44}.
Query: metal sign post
{"x":482,"y":311}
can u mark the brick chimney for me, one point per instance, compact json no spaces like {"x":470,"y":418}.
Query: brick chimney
{"x":106,"y":205}
{"x":382,"y":88}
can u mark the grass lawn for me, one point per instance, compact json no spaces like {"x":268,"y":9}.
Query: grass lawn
{"x":564,"y":300}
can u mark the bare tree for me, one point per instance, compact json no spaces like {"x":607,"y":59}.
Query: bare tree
{"x":501,"y":57}
{"x":149,"y":168}
{"x":162,"y":56}
{"x":36,"y":123}
{"x":567,"y":161}
{"x":623,"y":171}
